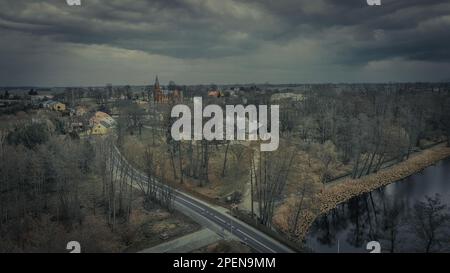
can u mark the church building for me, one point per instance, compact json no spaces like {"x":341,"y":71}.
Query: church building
{"x":165,"y":96}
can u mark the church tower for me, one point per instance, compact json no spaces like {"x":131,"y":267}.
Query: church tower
{"x":157,"y":94}
{"x":157,"y":83}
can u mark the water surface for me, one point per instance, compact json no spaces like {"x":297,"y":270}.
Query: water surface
{"x":381,"y":215}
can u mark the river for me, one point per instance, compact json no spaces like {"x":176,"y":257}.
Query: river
{"x":385,"y":215}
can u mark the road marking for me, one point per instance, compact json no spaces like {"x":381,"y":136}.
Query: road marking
{"x":220,"y":219}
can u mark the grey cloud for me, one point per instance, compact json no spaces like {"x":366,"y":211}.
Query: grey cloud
{"x":217,"y":28}
{"x":183,"y":29}
{"x":334,"y":33}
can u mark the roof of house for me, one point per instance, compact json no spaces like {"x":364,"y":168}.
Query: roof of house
{"x":214,"y":93}
{"x":51,"y":103}
{"x":48,"y":102}
{"x":101,"y":114}
{"x":102,"y":118}
{"x":105,"y":124}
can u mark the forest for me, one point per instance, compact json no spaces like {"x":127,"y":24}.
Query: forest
{"x":328,"y":136}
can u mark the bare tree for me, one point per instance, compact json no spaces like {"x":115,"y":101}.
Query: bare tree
{"x":270,"y":180}
{"x":428,"y":221}
{"x":304,"y":203}
{"x":327,"y":155}
{"x":156,"y":191}
{"x":392,"y":223}
{"x":225,"y":159}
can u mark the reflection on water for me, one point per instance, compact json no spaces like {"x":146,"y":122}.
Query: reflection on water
{"x":384,"y":215}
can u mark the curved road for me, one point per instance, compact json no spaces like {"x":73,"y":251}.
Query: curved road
{"x":214,"y":217}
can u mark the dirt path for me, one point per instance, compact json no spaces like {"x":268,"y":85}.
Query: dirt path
{"x":246,"y":201}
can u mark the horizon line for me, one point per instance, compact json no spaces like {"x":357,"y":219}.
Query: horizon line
{"x":224,"y":84}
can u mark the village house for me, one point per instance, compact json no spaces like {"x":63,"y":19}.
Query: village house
{"x":102,"y":116}
{"x":101,"y":123}
{"x":36,"y":99}
{"x":215,"y":93}
{"x":54,"y":105}
{"x":80,"y":111}
{"x":101,"y":128}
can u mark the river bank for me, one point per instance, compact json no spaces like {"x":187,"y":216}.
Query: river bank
{"x":334,"y":195}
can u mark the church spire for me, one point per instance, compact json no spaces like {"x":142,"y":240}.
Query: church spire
{"x":156,"y":82}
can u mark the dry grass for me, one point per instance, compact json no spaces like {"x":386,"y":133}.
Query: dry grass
{"x":329,"y":197}
{"x":217,"y":187}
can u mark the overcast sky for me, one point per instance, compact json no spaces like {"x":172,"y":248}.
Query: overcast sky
{"x":48,"y":43}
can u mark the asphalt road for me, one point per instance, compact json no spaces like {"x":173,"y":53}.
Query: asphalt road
{"x":213,"y":217}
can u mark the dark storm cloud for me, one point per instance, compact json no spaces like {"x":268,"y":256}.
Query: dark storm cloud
{"x":211,"y":29}
{"x":285,"y":38}
{"x":176,"y":28}
{"x":415,"y":29}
